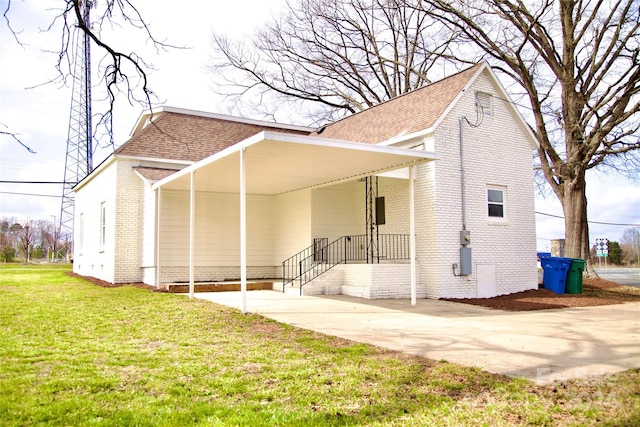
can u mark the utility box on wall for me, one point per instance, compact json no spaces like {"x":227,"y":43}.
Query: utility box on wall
{"x":465,"y":261}
{"x":487,"y":283}
{"x":380,"y":214}
{"x":465,"y":237}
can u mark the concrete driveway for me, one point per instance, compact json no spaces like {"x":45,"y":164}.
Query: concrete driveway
{"x":543,"y":345}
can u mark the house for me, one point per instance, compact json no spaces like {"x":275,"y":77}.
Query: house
{"x":429,"y":194}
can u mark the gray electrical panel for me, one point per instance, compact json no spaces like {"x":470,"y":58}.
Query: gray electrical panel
{"x":465,"y":261}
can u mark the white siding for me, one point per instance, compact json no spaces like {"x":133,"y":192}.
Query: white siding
{"x":335,"y":211}
{"x":292,"y":223}
{"x":217,"y":240}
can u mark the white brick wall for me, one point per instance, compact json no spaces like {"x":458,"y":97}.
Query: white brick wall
{"x":375,"y":281}
{"x":128,"y":224}
{"x":495,"y":153}
{"x":396,"y":198}
{"x":118,"y":260}
{"x":90,"y":257}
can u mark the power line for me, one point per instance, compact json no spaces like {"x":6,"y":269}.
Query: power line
{"x":29,"y":194}
{"x":591,"y":222}
{"x":36,"y":182}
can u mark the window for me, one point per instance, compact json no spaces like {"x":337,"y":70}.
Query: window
{"x":483,"y":103}
{"x":495,"y":202}
{"x":103,"y":223}
{"x":81,"y":233}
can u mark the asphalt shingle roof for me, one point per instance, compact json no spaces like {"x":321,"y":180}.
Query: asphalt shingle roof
{"x":405,"y":114}
{"x":154,"y":174}
{"x":189,"y":137}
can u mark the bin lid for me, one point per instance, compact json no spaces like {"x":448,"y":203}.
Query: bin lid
{"x":560,"y":259}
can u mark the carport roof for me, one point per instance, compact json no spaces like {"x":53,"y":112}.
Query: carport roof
{"x":277,"y":163}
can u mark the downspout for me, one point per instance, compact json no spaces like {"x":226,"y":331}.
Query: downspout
{"x":462,"y":177}
{"x":465,"y":236}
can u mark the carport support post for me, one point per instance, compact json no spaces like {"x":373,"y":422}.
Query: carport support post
{"x":157,"y":254}
{"x":243,"y":231}
{"x":192,"y":234}
{"x":412,"y":235}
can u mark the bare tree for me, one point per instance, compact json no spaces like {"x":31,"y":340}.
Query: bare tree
{"x":121,"y":73}
{"x":15,"y":137}
{"x":630,"y":243}
{"x":334,"y":56}
{"x":51,"y":239}
{"x":577,"y":63}
{"x":8,"y":239}
{"x":26,"y":234}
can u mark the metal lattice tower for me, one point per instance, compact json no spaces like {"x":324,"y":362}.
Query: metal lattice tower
{"x":79,"y":160}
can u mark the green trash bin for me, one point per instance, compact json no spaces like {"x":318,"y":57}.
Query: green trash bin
{"x":574,"y":277}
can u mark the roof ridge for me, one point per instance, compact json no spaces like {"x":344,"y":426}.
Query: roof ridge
{"x":230,"y":118}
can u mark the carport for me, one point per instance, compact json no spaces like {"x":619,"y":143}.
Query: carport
{"x":272,"y":163}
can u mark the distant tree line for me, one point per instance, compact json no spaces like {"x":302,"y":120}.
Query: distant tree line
{"x":29,"y":240}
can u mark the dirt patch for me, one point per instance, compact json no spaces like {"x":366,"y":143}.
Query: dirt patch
{"x":596,"y":291}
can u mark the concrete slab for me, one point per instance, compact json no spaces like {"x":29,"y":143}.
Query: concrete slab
{"x":542,"y":345}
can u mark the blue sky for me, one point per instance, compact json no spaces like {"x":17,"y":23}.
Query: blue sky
{"x":41,"y":115}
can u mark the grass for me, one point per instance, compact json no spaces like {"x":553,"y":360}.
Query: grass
{"x":72,"y":353}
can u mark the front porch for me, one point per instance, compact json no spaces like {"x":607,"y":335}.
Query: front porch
{"x":226,"y":286}
{"x":196,"y":225}
{"x":368,"y":281}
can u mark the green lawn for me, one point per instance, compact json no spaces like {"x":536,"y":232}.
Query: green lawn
{"x":72,"y":353}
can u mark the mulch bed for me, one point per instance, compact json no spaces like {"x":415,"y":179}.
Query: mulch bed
{"x":595,"y":291}
{"x":105,"y":284}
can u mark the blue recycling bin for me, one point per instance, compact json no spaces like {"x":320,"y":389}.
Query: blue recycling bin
{"x":543,"y":255}
{"x":555,"y":273}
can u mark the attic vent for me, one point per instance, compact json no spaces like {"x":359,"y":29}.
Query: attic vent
{"x":483,"y":103}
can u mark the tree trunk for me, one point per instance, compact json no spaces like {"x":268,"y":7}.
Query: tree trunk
{"x":574,"y":205}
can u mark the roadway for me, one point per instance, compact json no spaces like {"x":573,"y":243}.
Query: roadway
{"x":622,"y":276}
